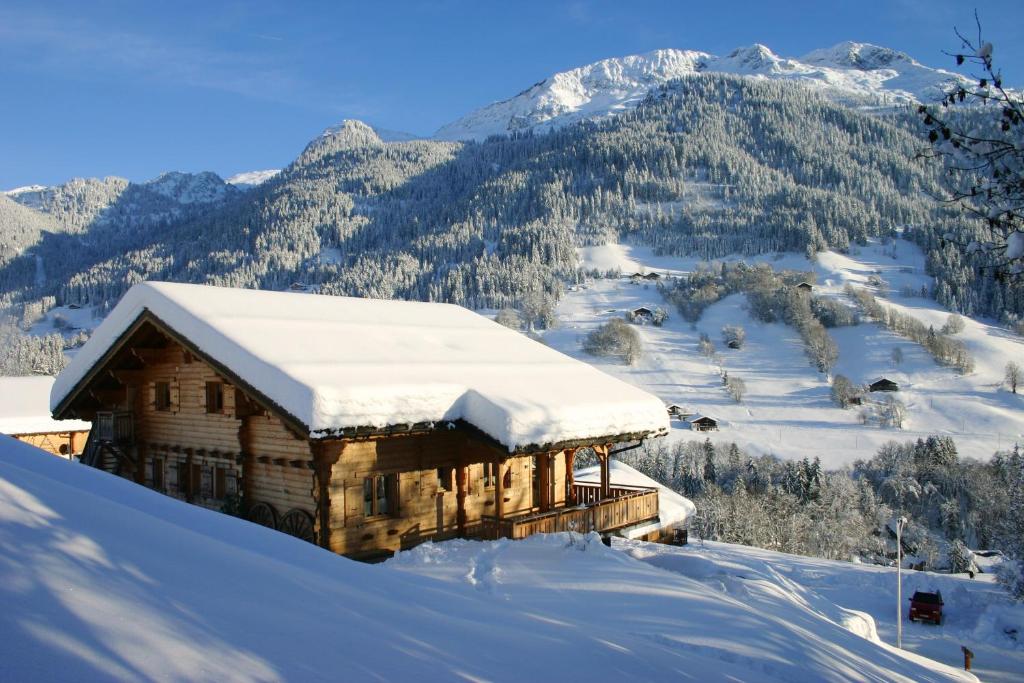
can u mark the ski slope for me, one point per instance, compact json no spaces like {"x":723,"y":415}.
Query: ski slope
{"x":101,"y":579}
{"x":787,"y":410}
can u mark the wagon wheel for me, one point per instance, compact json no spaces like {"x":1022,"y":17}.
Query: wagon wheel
{"x":263,"y":514}
{"x":298,"y":523}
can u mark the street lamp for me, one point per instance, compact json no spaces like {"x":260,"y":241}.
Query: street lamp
{"x":900,"y":523}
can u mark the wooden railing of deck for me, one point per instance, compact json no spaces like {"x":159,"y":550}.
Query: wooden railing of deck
{"x":630,"y":506}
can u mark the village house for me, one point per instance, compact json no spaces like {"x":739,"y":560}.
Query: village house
{"x":702,"y":423}
{"x":641,"y":315}
{"x":365,"y":426}
{"x":805,"y":287}
{"x":883,"y":384}
{"x":25,"y":415}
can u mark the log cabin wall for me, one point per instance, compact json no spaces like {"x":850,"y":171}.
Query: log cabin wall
{"x":192,"y":452}
{"x":420,"y":476}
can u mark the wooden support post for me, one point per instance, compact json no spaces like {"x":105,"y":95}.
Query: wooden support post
{"x":570,"y":481}
{"x":606,"y":486}
{"x":544,"y":480}
{"x":248,"y":461}
{"x":499,"y":490}
{"x":324,"y":459}
{"x":460,"y":499}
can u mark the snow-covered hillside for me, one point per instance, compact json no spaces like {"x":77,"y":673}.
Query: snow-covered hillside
{"x":851,"y":72}
{"x":251,"y":179}
{"x":787,"y":410}
{"x":105,"y":580}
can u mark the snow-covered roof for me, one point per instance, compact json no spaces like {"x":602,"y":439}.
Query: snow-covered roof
{"x":673,"y":509}
{"x":334,"y":363}
{"x":697,"y":417}
{"x":25,"y":407}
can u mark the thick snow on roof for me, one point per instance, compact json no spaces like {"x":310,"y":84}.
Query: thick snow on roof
{"x":673,"y":509}
{"x":337,"y":362}
{"x":25,"y":407}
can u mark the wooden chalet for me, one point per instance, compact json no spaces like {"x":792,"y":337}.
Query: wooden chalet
{"x":363,"y":426}
{"x":883,"y":384}
{"x":641,"y":315}
{"x":805,"y":287}
{"x":702,"y":423}
{"x":25,"y":415}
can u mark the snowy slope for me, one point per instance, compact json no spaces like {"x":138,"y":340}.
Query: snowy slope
{"x":251,"y":179}
{"x":787,"y":410}
{"x":977,"y":613}
{"x":104,"y":580}
{"x":856,"y":73}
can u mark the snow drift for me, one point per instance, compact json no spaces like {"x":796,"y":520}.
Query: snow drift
{"x":104,"y":580}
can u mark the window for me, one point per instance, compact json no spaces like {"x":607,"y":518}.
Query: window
{"x":490,"y":474}
{"x":214,"y":397}
{"x":190,"y":478}
{"x":380,"y":495}
{"x":158,"y":474}
{"x":220,"y":483}
{"x":163,"y":396}
{"x":445,"y":477}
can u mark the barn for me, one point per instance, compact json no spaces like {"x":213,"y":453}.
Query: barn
{"x":365,"y":426}
{"x":25,"y":415}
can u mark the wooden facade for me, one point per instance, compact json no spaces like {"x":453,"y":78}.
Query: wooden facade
{"x":62,"y":443}
{"x":172,"y":419}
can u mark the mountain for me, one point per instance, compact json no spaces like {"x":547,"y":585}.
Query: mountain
{"x":851,"y":73}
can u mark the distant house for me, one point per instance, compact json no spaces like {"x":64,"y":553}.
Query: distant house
{"x":352,"y":423}
{"x":805,"y":287}
{"x":734,"y":344}
{"x":652,"y":276}
{"x":641,"y":315}
{"x":25,"y":415}
{"x":636,"y":277}
{"x":883,"y":384}
{"x":702,"y":423}
{"x":679,"y":411}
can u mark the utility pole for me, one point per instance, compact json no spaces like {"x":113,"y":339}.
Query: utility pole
{"x":899,"y":581}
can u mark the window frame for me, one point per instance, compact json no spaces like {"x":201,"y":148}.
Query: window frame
{"x":490,"y":475}
{"x":162,"y":396}
{"x":215,"y":398}
{"x":388,"y":483}
{"x":445,"y":479}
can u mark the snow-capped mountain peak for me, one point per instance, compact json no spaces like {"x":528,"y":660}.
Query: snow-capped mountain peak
{"x":590,"y":91}
{"x":189,"y":188}
{"x":863,"y":56}
{"x":848,"y":72}
{"x":354,"y":131}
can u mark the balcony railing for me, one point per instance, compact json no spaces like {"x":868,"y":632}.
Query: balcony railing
{"x":626,"y":506}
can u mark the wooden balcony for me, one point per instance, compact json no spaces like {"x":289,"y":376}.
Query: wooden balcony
{"x":625,"y":506}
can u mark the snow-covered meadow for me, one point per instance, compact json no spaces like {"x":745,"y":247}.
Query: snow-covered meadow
{"x":787,"y":410}
{"x":101,"y":579}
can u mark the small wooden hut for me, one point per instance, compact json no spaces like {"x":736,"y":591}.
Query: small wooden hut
{"x":25,"y":415}
{"x":365,"y":426}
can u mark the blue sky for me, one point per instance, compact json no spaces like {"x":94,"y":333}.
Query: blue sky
{"x":137,"y":88}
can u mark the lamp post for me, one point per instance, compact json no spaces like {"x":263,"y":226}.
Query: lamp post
{"x":900,"y":523}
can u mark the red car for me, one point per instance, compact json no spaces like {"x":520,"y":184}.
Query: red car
{"x":926,"y":607}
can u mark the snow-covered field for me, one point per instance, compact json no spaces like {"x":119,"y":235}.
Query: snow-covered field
{"x":101,"y":579}
{"x":787,"y":410}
